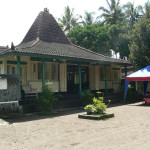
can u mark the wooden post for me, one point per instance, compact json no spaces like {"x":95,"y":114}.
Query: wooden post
{"x":80,"y":80}
{"x":43,"y":73}
{"x":19,"y":73}
{"x":106,"y":83}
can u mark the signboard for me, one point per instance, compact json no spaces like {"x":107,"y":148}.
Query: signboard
{"x":3,"y":84}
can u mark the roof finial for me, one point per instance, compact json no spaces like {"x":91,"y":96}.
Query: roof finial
{"x":12,"y":46}
{"x":46,"y":10}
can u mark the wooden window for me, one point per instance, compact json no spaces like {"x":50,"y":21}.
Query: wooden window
{"x":11,"y":69}
{"x":109,"y":73}
{"x":39,"y":71}
{"x":54,"y":71}
{"x":8,"y":69}
{"x":102,"y":73}
{"x":34,"y":67}
{"x":51,"y":71}
{"x":48,"y":71}
{"x":116,"y":76}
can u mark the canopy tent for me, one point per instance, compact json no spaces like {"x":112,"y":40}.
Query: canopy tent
{"x":141,"y":75}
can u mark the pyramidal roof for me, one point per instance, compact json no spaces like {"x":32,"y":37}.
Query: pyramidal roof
{"x":45,"y":38}
{"x":46,"y":29}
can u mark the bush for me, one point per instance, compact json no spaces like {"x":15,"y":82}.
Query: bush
{"x":89,"y":108}
{"x":87,"y":97}
{"x":98,"y":106}
{"x":46,"y":100}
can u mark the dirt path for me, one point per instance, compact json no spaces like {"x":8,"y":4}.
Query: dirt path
{"x":129,"y":130}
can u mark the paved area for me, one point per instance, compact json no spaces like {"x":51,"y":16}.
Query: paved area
{"x":128,"y":130}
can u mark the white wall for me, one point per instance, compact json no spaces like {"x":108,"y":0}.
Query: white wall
{"x":3,"y":84}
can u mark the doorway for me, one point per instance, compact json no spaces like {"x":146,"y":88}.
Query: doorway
{"x":73,"y":78}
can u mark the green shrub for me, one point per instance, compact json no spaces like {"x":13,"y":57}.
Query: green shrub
{"x":98,"y":106}
{"x":46,"y":100}
{"x":87,"y":97}
{"x":89,"y":108}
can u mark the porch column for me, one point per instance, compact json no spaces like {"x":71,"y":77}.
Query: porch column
{"x":43,"y":73}
{"x":106,"y":83}
{"x":125,"y":68}
{"x":19,"y":72}
{"x":80,"y":84}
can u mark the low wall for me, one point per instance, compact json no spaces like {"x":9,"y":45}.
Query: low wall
{"x":9,"y":93}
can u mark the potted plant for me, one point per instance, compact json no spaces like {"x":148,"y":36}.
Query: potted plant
{"x":98,"y":106}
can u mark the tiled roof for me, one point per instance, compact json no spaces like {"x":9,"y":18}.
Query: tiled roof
{"x":45,"y":37}
{"x":3,"y":49}
{"x":65,"y":50}
{"x":46,"y":29}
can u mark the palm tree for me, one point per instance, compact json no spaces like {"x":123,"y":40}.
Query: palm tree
{"x":132,"y":13}
{"x":113,"y":15}
{"x":68,"y":21}
{"x":146,"y":10}
{"x":88,"y":18}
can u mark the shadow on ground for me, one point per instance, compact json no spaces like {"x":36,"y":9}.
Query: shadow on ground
{"x":19,"y":118}
{"x":140,"y":104}
{"x":123,"y":103}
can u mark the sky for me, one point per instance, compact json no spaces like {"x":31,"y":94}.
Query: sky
{"x":17,"y":16}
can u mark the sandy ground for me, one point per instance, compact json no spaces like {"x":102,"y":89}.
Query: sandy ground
{"x":128,"y":130}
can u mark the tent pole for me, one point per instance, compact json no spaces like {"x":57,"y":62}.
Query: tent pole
{"x":125,"y":68}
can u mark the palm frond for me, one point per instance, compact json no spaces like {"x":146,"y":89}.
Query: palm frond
{"x":104,"y":9}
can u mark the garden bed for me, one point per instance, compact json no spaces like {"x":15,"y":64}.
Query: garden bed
{"x":96,"y":116}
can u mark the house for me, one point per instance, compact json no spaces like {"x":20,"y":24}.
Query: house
{"x":46,"y":55}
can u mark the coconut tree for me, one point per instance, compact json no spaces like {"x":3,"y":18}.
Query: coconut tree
{"x":113,"y":14}
{"x":132,"y":13}
{"x":146,"y":10}
{"x":68,"y":21}
{"x":88,"y":18}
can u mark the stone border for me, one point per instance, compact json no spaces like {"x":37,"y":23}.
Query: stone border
{"x":11,"y":106}
{"x":96,"y":117}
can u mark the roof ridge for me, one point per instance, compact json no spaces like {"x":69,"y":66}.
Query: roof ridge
{"x":29,"y":46}
{"x":36,"y":41}
{"x":39,"y":24}
{"x":4,"y":47}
